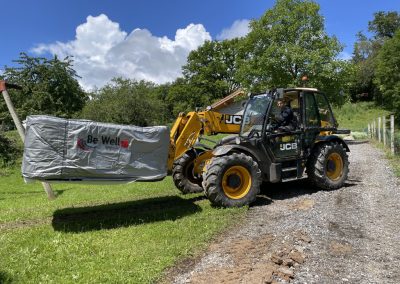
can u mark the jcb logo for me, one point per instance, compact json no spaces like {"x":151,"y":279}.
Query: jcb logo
{"x":288,"y":146}
{"x":232,"y":119}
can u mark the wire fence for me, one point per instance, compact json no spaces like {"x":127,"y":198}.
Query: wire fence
{"x":383,"y":130}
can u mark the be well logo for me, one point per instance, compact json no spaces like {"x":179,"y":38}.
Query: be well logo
{"x":92,"y":142}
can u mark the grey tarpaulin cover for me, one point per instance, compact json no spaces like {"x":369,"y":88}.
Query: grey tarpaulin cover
{"x":59,"y":149}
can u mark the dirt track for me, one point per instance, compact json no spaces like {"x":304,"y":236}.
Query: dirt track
{"x":298,"y":234}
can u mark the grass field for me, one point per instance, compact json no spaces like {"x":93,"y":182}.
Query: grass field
{"x":357,"y":116}
{"x":100,"y":234}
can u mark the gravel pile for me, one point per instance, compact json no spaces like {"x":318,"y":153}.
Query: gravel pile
{"x":296,"y":233}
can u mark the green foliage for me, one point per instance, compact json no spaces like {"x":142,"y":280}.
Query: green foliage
{"x":126,"y":102}
{"x":49,"y":87}
{"x":209,"y":75}
{"x":362,"y":80}
{"x":384,"y":24}
{"x":356,"y":116}
{"x":387,"y":74}
{"x":9,"y":150}
{"x":212,"y":68}
{"x":288,"y":42}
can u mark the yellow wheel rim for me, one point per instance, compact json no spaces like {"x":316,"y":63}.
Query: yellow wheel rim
{"x":236,"y":182}
{"x":334,"y":166}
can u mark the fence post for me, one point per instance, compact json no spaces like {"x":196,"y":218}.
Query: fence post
{"x":379,"y":129}
{"x":384,"y":130}
{"x":369,"y":130}
{"x":374,"y":133}
{"x":392,"y":133}
{"x":21,"y":131}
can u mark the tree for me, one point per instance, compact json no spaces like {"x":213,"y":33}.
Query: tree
{"x":50,"y":86}
{"x":384,"y":24}
{"x":387,"y":74}
{"x":212,"y":67}
{"x":363,"y":83}
{"x":124,"y":101}
{"x":288,"y":42}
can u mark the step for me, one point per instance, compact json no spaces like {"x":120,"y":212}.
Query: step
{"x":289,"y":169}
{"x":290,"y":179}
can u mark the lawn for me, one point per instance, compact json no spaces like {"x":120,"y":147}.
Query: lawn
{"x":101,"y":234}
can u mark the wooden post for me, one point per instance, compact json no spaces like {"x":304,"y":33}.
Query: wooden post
{"x":384,"y":130}
{"x":374,"y":133}
{"x":369,"y":130}
{"x":392,"y":133}
{"x":21,"y":131}
{"x":379,"y":129}
{"x":372,"y":130}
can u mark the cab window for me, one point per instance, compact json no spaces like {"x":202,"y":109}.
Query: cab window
{"x":324,"y":111}
{"x":311,"y":111}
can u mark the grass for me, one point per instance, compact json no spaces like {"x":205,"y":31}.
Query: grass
{"x":101,"y":234}
{"x":357,"y":116}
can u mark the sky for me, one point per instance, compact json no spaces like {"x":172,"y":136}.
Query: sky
{"x":149,"y":39}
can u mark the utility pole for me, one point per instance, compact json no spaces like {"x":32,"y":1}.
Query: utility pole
{"x":20,"y":128}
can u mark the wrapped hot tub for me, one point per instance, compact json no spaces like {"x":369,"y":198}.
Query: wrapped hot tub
{"x":59,"y":150}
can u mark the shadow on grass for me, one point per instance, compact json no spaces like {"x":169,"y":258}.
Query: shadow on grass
{"x":116,"y":215}
{"x":5,"y":278}
{"x":23,"y":193}
{"x":281,"y":191}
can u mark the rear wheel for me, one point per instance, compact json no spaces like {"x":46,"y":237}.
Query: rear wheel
{"x":328,"y":166}
{"x":232,"y":181}
{"x":183,"y":174}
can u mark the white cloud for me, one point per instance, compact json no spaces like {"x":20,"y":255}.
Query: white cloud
{"x":239,"y":28}
{"x":101,"y":51}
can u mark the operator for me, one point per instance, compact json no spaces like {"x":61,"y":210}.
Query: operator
{"x":285,"y":119}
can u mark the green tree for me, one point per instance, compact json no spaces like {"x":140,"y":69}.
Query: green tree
{"x":211,"y":69}
{"x":288,"y":42}
{"x":50,"y":86}
{"x":363,"y":83}
{"x":387,"y":74}
{"x":362,"y":79}
{"x":124,"y":101}
{"x":384,"y":24}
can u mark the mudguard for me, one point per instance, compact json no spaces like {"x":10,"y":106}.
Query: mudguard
{"x":258,"y":157}
{"x":332,"y":138}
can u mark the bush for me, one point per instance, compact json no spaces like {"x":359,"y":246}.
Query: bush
{"x":9,"y":151}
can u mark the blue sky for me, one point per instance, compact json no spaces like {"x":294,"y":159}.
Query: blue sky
{"x":138,"y":39}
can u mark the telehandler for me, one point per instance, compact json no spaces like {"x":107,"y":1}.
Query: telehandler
{"x":231,"y":173}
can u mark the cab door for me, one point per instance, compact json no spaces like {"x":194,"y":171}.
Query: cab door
{"x":312,"y":121}
{"x":285,"y":145}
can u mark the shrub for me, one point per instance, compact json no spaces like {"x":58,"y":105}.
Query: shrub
{"x":9,"y":151}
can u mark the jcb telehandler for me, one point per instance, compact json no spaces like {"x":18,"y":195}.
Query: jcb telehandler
{"x":231,"y":173}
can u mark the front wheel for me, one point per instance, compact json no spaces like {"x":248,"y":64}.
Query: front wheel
{"x":183,"y":174}
{"x":328,"y":166}
{"x":232,"y":181}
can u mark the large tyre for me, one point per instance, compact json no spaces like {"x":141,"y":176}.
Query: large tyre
{"x":328,"y":166}
{"x":232,"y":181}
{"x":183,"y":175}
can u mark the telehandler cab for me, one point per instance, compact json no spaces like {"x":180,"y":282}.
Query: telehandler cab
{"x":237,"y":166}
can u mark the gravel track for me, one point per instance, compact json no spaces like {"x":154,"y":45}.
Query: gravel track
{"x":296,"y":233}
